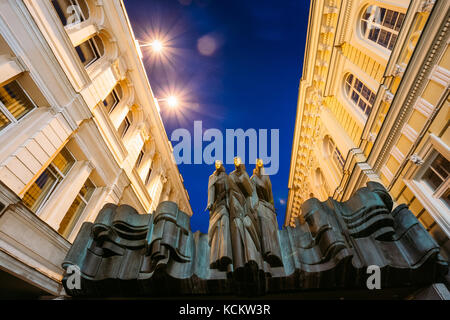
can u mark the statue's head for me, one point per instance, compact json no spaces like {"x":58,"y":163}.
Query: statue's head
{"x":218,"y":164}
{"x":259,"y":163}
{"x":259,"y":167}
{"x":237,"y":162}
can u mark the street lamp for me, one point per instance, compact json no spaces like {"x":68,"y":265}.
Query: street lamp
{"x":156,"y":45}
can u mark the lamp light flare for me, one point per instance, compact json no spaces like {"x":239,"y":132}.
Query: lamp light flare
{"x":172,"y":101}
{"x":157,"y":45}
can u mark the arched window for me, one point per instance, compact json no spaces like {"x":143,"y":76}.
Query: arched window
{"x":332,"y":151}
{"x":90,"y":51}
{"x":381,"y":25}
{"x":71,"y":11}
{"x":359,"y":93}
{"x":113,"y":98}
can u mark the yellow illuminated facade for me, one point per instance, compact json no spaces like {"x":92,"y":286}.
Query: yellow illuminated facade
{"x":79,"y":128}
{"x":373,"y":106}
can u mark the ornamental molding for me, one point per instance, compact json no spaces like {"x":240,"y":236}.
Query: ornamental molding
{"x":418,"y":85}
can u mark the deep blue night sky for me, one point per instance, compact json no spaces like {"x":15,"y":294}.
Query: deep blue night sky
{"x":236,"y":64}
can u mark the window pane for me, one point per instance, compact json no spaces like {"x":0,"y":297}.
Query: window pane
{"x":366,"y":14}
{"x":87,"y":190}
{"x":391,"y":18}
{"x":99,"y":45}
{"x":87,"y":52}
{"x":446,"y":197}
{"x":362,"y":105}
{"x":442,"y":166}
{"x":110,"y":101}
{"x":63,"y":161}
{"x":118,"y":90}
{"x":15,"y":100}
{"x":139,"y":159}
{"x":381,"y":12}
{"x":124,"y":127}
{"x":72,"y":216}
{"x":358,"y":85}
{"x":355,"y":97}
{"x":71,"y":8}
{"x":399,"y":23}
{"x":4,"y":121}
{"x":364,"y":27}
{"x":350,"y":79}
{"x":372,"y":98}
{"x":432,"y":179}
{"x":392,"y":42}
{"x":384,"y":38}
{"x":366,"y":93}
{"x":147,"y":179}
{"x":38,"y":191}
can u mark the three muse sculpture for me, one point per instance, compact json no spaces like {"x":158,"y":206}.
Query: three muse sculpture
{"x":124,"y":253}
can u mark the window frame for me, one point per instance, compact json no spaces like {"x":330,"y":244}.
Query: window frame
{"x":60,"y":176}
{"x":140,"y":158}
{"x":74,"y":220}
{"x":93,"y":45}
{"x":116,"y":98}
{"x":428,"y":197}
{"x":350,"y":88}
{"x":127,"y":127}
{"x":334,"y":153}
{"x":4,"y":110}
{"x":73,"y":3}
{"x":365,"y":22}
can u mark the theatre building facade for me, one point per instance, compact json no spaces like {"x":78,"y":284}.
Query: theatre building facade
{"x":373,"y":105}
{"x":79,"y":127}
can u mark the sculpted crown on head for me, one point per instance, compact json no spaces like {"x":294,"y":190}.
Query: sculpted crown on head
{"x":237,"y":161}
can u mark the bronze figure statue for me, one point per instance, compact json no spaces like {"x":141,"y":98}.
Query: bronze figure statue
{"x":267,"y":216}
{"x":245,"y":235}
{"x":127,"y":254}
{"x":219,"y":221}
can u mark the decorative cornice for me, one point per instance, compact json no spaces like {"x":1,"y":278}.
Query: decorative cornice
{"x":417,"y":88}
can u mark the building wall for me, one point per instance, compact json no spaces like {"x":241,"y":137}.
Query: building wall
{"x":70,"y":114}
{"x":339,"y":145}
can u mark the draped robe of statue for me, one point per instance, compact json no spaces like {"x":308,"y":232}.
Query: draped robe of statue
{"x":267,"y":218}
{"x":219,"y":221}
{"x":245,"y":235}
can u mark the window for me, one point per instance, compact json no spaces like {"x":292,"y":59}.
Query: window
{"x":139,"y":159}
{"x":359,"y":93}
{"x":381,"y":25}
{"x":71,"y":11}
{"x":125,"y":125}
{"x":90,"y":50}
{"x":76,"y":209}
{"x":14,"y":104}
{"x":332,"y":151}
{"x":45,"y":184}
{"x":149,"y":173}
{"x":436,"y":177}
{"x":113,"y":98}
